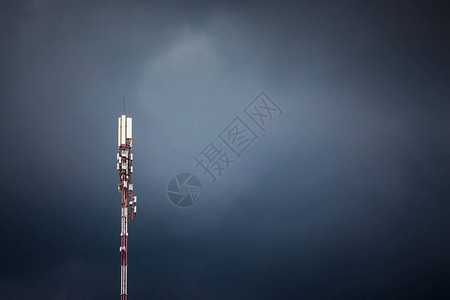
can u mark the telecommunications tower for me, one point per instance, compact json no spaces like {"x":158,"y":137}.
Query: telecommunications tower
{"x":128,"y":200}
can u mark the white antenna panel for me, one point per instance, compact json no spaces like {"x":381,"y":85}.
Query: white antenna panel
{"x":129,"y":128}
{"x":123,"y":129}
{"x":118,"y":132}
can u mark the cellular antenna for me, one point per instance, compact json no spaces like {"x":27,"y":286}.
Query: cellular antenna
{"x":128,"y":202}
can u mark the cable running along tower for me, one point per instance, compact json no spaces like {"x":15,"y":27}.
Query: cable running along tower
{"x":128,"y":199}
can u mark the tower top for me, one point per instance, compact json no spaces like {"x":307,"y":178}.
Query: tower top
{"x":124,"y":131}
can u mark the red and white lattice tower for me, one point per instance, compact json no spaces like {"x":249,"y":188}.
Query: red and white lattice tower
{"x":128,"y":202}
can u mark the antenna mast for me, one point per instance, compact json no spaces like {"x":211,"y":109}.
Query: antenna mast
{"x":128,"y":199}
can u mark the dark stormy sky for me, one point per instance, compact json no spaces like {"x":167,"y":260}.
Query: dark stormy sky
{"x":345,"y":196}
